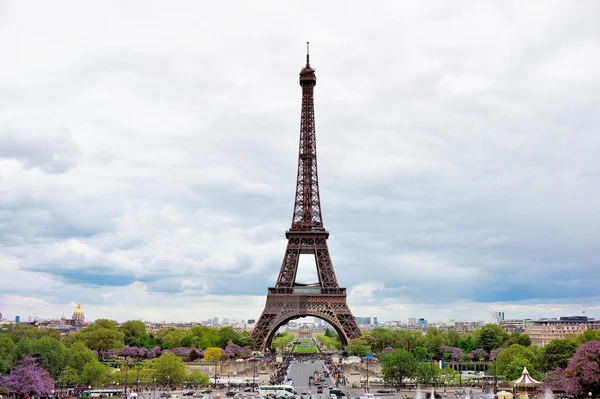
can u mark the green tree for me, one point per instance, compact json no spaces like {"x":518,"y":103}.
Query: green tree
{"x":453,"y":338}
{"x":588,"y":335}
{"x":101,"y":336}
{"x":172,"y":338}
{"x":427,"y":373}
{"x":133,"y":331}
{"x":420,"y":353}
{"x":491,"y":337}
{"x":434,"y":339}
{"x":8,"y":354}
{"x":228,"y":336}
{"x":52,"y":354}
{"x":358,"y":347}
{"x":519,"y":339}
{"x":17,"y":332}
{"x":78,"y":355}
{"x":467,"y":344}
{"x":398,"y":365}
{"x":514,"y":352}
{"x":196,"y":378}
{"x":330,"y":333}
{"x":94,"y":373}
{"x":69,"y":377}
{"x":557,"y":354}
{"x":169,"y":369}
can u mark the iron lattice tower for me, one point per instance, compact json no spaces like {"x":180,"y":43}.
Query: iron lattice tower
{"x":289,"y":300}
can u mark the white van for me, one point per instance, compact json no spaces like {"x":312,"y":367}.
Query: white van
{"x":173,"y":396}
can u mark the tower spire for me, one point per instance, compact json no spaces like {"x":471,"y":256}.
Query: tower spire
{"x":307,"y":205}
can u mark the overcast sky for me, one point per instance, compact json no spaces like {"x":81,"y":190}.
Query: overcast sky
{"x":148,"y":155}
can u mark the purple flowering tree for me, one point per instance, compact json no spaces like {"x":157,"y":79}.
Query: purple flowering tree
{"x":129,"y":351}
{"x":233,"y":350}
{"x":181,"y":351}
{"x":451,"y":352}
{"x":582,"y":374}
{"x":477,"y":354}
{"x":495,"y":352}
{"x":142,"y":352}
{"x":387,"y":350}
{"x":154,"y":352}
{"x":28,"y":378}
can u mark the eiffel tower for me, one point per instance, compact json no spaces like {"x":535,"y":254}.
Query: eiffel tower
{"x":289,"y":300}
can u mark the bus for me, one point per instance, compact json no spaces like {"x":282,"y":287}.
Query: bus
{"x":102,"y":393}
{"x":278,"y":390}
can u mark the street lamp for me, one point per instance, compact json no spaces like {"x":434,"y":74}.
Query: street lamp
{"x":154,"y":395}
{"x":590,"y":394}
{"x":495,"y":378}
{"x":253,"y":360}
{"x":126,"y":371}
{"x":367,"y":358}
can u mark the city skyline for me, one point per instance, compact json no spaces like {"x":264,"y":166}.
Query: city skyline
{"x":148,"y":157}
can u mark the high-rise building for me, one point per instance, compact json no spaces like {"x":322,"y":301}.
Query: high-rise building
{"x":215,"y":321}
{"x":17,"y":319}
{"x":225,"y":321}
{"x":412,"y":320}
{"x":497,"y":317}
{"x":421,"y":322}
{"x":366,"y":321}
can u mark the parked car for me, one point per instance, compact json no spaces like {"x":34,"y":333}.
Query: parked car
{"x":386,"y":390}
{"x":206,"y":391}
{"x":437,"y":395}
{"x":460,"y":391}
{"x":320,"y":390}
{"x":188,"y":393}
{"x":231,"y":393}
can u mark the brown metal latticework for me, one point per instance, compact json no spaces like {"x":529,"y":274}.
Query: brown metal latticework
{"x":289,"y":300}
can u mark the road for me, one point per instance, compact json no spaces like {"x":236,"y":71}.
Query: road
{"x":300,"y":371}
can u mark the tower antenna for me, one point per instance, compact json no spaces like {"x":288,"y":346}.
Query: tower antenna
{"x":307,"y":56}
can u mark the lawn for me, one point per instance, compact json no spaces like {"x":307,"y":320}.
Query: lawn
{"x":305,"y":345}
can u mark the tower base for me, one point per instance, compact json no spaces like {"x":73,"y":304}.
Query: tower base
{"x":285,"y":304}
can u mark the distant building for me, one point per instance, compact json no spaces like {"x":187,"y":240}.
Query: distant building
{"x":412,"y":320}
{"x":251,"y":321}
{"x":366,"y":321}
{"x":545,"y":330}
{"x":17,"y":319}
{"x":78,"y":316}
{"x":497,"y":317}
{"x":215,"y":321}
{"x":421,"y":322}
{"x":468,"y":326}
{"x":515,"y":325}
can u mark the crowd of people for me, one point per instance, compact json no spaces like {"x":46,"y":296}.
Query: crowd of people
{"x":279,"y":376}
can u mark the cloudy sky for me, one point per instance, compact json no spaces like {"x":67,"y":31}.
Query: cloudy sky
{"x":148,"y":154}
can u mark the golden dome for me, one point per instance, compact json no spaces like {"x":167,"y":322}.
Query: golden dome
{"x":78,"y":310}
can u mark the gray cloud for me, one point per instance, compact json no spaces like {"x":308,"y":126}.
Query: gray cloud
{"x":149,"y":155}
